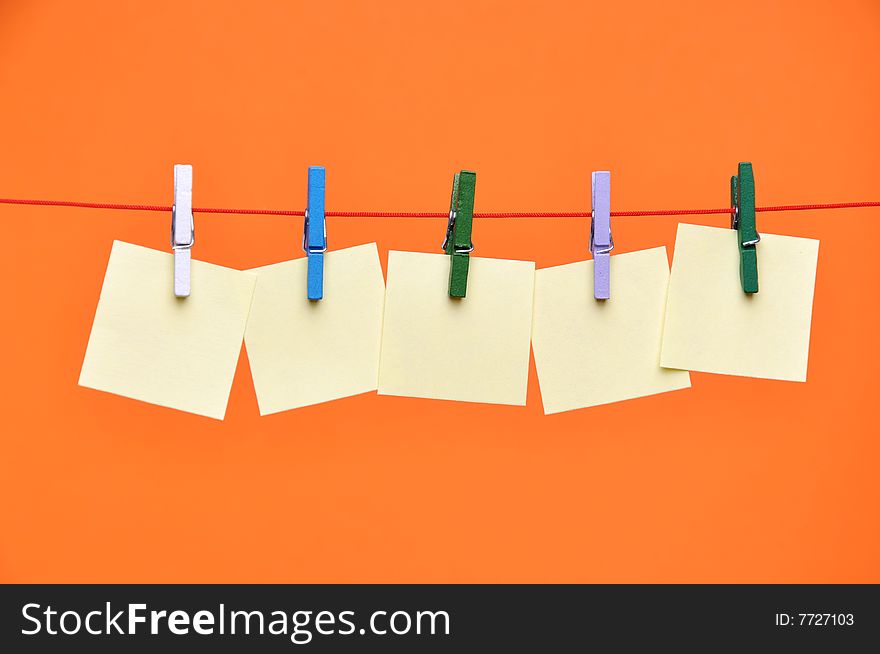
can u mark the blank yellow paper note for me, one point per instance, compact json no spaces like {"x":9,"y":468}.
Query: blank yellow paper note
{"x":475,"y":349}
{"x":304,"y":352}
{"x":712,"y":326}
{"x":148,"y":345}
{"x":590,"y":351}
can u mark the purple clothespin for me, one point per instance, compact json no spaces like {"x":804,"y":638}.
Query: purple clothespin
{"x":601,"y":242}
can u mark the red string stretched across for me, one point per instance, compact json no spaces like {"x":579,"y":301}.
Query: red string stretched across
{"x":433,"y":214}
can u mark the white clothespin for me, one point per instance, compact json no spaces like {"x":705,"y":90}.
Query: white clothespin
{"x":183,"y":233}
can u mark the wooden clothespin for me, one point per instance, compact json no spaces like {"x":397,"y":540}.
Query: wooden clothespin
{"x":601,"y":241}
{"x":742,"y":200}
{"x":458,"y":244}
{"x":315,"y":233}
{"x":183,"y":233}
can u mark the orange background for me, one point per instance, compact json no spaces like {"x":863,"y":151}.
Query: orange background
{"x":734,"y":480}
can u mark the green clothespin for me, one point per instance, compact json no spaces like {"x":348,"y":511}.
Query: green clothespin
{"x":742,"y":200}
{"x":458,"y":244}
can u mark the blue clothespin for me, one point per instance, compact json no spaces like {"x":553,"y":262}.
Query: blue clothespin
{"x":315,"y":233}
{"x":601,"y":242}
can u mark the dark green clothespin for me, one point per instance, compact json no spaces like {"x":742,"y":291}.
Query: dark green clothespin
{"x":458,"y":244}
{"x":742,"y":200}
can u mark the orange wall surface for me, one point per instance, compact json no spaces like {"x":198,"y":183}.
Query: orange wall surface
{"x":734,"y":480}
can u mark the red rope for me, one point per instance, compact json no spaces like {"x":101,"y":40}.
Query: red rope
{"x":808,"y":207}
{"x":86,"y":205}
{"x":433,"y":214}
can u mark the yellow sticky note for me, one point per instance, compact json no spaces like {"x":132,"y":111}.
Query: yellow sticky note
{"x":589,"y":351}
{"x":304,"y":352}
{"x":712,"y":326}
{"x":474,"y":349}
{"x":148,"y":345}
